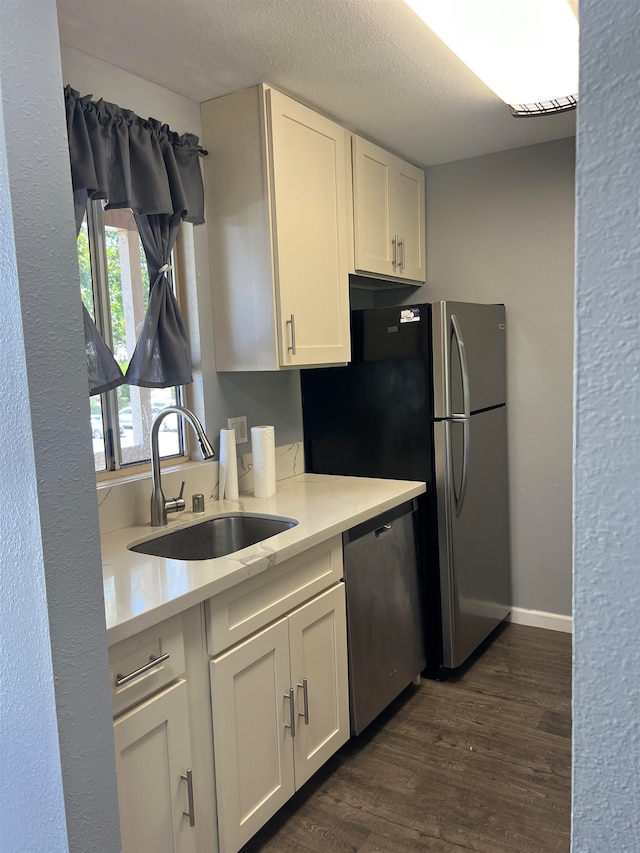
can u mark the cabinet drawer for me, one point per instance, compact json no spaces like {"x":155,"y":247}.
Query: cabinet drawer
{"x":254,"y":603}
{"x":131,"y":660}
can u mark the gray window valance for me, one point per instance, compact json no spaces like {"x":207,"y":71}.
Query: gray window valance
{"x":131,"y":161}
{"x":136,"y":163}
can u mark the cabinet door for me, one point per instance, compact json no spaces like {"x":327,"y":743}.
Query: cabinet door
{"x":252,"y":744}
{"x":373,"y":235}
{"x":309,"y":219}
{"x":318,"y":644}
{"x":388,"y":211}
{"x":152,"y":753}
{"x":407,"y":216}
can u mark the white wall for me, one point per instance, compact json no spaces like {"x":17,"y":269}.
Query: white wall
{"x":270,"y":398}
{"x":606,"y":727}
{"x":58,"y":787}
{"x":500,"y":229}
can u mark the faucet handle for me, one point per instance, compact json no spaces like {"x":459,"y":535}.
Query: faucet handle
{"x":176,"y":504}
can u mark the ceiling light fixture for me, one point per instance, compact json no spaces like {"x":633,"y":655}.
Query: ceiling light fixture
{"x":526,"y":51}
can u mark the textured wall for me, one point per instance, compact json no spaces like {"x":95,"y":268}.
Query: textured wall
{"x":267,"y":398}
{"x":500,"y":229}
{"x":48,"y":518}
{"x":30,"y":761}
{"x":606,"y":749}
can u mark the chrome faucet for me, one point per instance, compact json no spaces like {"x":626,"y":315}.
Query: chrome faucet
{"x":159,"y":506}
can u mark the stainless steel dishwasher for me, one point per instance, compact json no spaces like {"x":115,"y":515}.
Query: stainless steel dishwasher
{"x":384,"y":613}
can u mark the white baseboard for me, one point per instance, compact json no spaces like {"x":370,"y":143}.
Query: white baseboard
{"x":541,"y":619}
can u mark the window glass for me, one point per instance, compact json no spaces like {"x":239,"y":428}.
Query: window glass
{"x":115,"y":285}
{"x":84,"y":265}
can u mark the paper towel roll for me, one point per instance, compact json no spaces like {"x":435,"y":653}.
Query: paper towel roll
{"x":228,"y":480}
{"x":263,"y":445}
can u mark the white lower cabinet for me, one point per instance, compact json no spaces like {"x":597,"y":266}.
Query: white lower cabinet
{"x":280,"y":708}
{"x":269,"y":658}
{"x":153,"y":757}
{"x":318,"y":654}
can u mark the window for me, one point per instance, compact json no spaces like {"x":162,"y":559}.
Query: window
{"x":115,"y":286}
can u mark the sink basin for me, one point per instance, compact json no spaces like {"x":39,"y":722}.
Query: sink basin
{"x":214,"y":537}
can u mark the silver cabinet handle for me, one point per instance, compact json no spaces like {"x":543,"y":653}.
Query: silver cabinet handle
{"x":394,"y":243}
{"x":305,"y":697}
{"x":292,"y":322}
{"x":188,"y":778}
{"x":292,"y":712}
{"x":401,"y":257}
{"x":384,"y":529}
{"x":153,"y":661}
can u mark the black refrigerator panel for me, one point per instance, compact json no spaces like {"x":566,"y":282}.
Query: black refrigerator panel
{"x":390,"y":333}
{"x":372,"y":418}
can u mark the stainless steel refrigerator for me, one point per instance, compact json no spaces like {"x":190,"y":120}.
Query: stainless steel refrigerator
{"x":424,"y":398}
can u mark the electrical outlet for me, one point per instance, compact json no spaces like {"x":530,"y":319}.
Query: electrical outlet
{"x":240,"y":427}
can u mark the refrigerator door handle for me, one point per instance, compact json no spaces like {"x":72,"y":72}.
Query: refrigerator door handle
{"x":465,"y":467}
{"x":463,"y":366}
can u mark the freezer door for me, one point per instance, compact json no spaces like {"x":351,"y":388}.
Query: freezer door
{"x":473,"y":532}
{"x":468,"y":357}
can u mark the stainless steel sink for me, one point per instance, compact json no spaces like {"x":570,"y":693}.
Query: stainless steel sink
{"x":214,"y":537}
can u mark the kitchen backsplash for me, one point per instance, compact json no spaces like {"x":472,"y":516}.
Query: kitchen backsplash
{"x":124,"y":504}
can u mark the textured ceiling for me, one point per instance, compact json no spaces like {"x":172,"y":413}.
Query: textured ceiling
{"x":370,"y":64}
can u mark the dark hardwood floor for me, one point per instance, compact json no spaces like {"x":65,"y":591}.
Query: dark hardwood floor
{"x":480,"y":762}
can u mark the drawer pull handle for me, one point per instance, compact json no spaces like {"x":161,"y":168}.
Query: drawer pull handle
{"x":188,"y":778}
{"x":153,"y":661}
{"x":305,"y":696}
{"x":384,"y":529}
{"x":292,"y":712}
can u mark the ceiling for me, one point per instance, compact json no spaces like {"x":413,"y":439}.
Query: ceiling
{"x":370,"y":64}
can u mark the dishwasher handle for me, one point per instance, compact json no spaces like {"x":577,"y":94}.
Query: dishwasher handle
{"x":380,"y":525}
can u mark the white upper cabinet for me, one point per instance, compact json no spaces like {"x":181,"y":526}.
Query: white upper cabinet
{"x":388,"y":214}
{"x":276,"y":182}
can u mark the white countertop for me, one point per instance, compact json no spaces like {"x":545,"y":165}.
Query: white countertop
{"x":141,"y":590}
